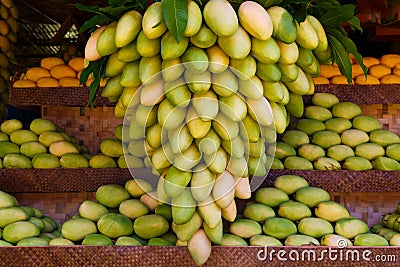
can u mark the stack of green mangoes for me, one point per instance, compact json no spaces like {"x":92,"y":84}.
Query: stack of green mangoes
{"x":291,"y":213}
{"x":390,"y":227}
{"x":244,"y":71}
{"x":43,"y":145}
{"x":335,"y":135}
{"x":24,"y":225}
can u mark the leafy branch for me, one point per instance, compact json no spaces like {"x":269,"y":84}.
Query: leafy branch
{"x":332,"y":15}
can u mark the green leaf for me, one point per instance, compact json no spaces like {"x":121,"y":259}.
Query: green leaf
{"x":94,"y":88}
{"x":337,"y":16}
{"x":175,"y":13}
{"x":301,"y":14}
{"x":86,"y":8}
{"x":290,"y":2}
{"x":349,"y":45}
{"x":355,"y":22}
{"x":92,"y":22}
{"x":268,"y":3}
{"x":341,"y":56}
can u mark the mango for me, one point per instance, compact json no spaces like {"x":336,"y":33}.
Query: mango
{"x":310,"y":126}
{"x":370,"y":240}
{"x":150,"y":226}
{"x":149,"y":74}
{"x":204,"y":38}
{"x":8,"y":148}
{"x":293,"y":210}
{"x":310,"y":152}
{"x":295,"y":106}
{"x":393,"y":151}
{"x":77,"y":229}
{"x":16,"y":161}
{"x":229,"y":213}
{"x":159,"y":241}
{"x":232,"y":240}
{"x":284,"y":27}
{"x":254,"y":19}
{"x":251,"y":88}
{"x":268,"y":72}
{"x":385,"y":163}
{"x":43,"y":161}
{"x":114,"y":225}
{"x":357,"y":164}
{"x":97,"y":240}
{"x":338,"y":125}
{"x":74,"y":161}
{"x":264,"y":240}
{"x":138,"y":187}
{"x":60,"y":242}
{"x":113,"y":66}
{"x":289,"y":52}
{"x":270,"y":196}
{"x":224,"y":190}
{"x":210,"y":212}
{"x":12,"y":214}
{"x":125,"y":34}
{"x":188,"y":159}
{"x":63,"y":147}
{"x":283,"y":150}
{"x":130,"y":77}
{"x":228,"y":44}
{"x":258,"y":212}
{"x":133,"y":208}
{"x":22,"y":136}
{"x":111,"y":195}
{"x":354,"y":137}
{"x":127,"y":241}
{"x":366,"y":123}
{"x":219,"y":61}
{"x":315,"y":227}
{"x":170,"y":48}
{"x":301,"y":240}
{"x":279,"y":228}
{"x":92,"y":210}
{"x":350,"y":227}
{"x":384,"y":137}
{"x":326,"y":139}
{"x":183,"y":207}
{"x":47,"y":138}
{"x":297,"y":163}
{"x":239,"y":167}
{"x":311,"y":196}
{"x":325,"y":100}
{"x":176,"y":180}
{"x":194,"y":19}
{"x":91,"y":53}
{"x":331,"y":211}
{"x":199,"y":247}
{"x":153,"y":23}
{"x":340,"y":152}
{"x":129,"y":53}
{"x":185,"y":231}
{"x":266,"y":51}
{"x":369,"y":151}
{"x":335,"y":241}
{"x":105,"y":44}
{"x":346,"y":110}
{"x":147,"y":47}
{"x":223,"y":27}
{"x":245,"y":228}
{"x":172,"y":69}
{"x":39,"y":126}
{"x":394,"y":241}
{"x":317,"y":113}
{"x":234,"y":107}
{"x":165,"y":211}
{"x":225,"y":127}
{"x":306,"y":35}
{"x":295,"y":138}
{"x":210,"y":143}
{"x":14,"y":232}
{"x":7,"y":200}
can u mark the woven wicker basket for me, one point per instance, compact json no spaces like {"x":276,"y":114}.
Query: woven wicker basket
{"x":89,"y":128}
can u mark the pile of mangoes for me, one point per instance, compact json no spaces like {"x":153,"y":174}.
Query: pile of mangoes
{"x":44,"y":145}
{"x":24,"y":225}
{"x":334,"y":135}
{"x":384,"y":70}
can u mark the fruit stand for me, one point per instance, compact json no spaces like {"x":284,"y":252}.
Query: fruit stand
{"x":106,"y":179}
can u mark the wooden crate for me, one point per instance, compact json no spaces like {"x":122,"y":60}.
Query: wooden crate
{"x":88,"y":128}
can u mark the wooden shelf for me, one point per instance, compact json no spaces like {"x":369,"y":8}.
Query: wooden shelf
{"x":88,"y":180}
